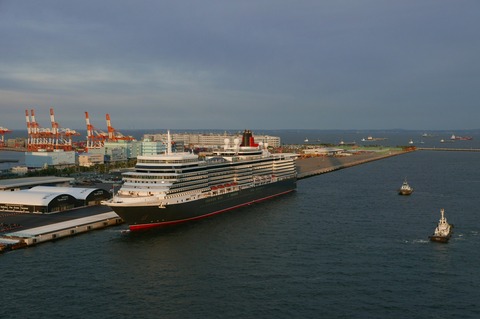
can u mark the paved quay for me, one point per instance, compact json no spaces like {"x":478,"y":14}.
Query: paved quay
{"x":312,"y":166}
{"x":448,"y":149}
{"x":29,"y":220}
{"x":19,"y":230}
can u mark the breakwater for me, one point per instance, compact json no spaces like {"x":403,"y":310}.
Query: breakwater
{"x":13,"y":149}
{"x":448,"y":149}
{"x":8,"y":161}
{"x":308,"y":167}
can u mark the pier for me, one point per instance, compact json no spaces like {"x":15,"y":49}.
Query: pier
{"x":8,"y":161}
{"x":308,"y":167}
{"x":13,"y":149}
{"x":448,"y":149}
{"x":20,"y":230}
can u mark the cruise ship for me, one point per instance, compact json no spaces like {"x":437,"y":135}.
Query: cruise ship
{"x":174,"y":188}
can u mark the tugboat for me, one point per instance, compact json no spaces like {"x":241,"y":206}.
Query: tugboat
{"x":443,"y":232}
{"x":405,"y":189}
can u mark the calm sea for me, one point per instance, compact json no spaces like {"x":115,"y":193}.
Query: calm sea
{"x":344,"y":245}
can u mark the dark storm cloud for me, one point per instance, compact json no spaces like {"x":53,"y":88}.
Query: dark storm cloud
{"x":231,"y":64}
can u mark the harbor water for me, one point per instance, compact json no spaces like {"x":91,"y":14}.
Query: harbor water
{"x":344,"y":245}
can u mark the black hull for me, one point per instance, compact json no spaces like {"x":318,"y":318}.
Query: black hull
{"x":440,"y":239}
{"x":143,"y":217}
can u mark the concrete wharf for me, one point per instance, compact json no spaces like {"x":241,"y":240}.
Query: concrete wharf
{"x":13,"y":149}
{"x":8,"y":161}
{"x":448,"y":149}
{"x":19,"y":230}
{"x":308,"y":167}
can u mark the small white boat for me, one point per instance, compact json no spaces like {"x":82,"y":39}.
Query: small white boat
{"x":443,"y":232}
{"x":405,"y":189}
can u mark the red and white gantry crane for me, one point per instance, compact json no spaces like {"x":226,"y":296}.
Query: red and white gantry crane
{"x":114,"y":135}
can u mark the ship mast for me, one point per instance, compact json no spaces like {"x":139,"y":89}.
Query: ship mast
{"x":169,"y":143}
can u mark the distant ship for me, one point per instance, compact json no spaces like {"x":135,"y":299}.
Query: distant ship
{"x":446,"y":141}
{"x":371,"y":138}
{"x":461,"y":138}
{"x":174,"y":188}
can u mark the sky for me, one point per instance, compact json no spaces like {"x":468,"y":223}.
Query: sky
{"x":256,"y":64}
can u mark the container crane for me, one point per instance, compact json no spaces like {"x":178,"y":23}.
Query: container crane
{"x":38,"y":137}
{"x":95,"y":137}
{"x":61,"y":137}
{"x":46,"y":139}
{"x":3,"y":131}
{"x":114,"y":135}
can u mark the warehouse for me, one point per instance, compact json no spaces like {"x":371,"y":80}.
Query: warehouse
{"x":16,"y":184}
{"x":83,"y":196}
{"x":49,"y":199}
{"x":35,"y":202}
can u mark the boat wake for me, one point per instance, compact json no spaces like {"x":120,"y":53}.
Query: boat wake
{"x":416,"y":241}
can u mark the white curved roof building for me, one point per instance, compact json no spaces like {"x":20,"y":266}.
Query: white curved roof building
{"x":36,"y":202}
{"x":77,"y":192}
{"x":47,"y":199}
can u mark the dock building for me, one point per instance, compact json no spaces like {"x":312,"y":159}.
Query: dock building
{"x":26,"y":201}
{"x":210,"y":140}
{"x":118,"y":151}
{"x":150,"y":148}
{"x":83,"y":196}
{"x":48,"y":199}
{"x":90,"y":159}
{"x":16,"y":184}
{"x":57,"y":158}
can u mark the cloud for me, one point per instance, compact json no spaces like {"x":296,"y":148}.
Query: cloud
{"x":259,"y":64}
